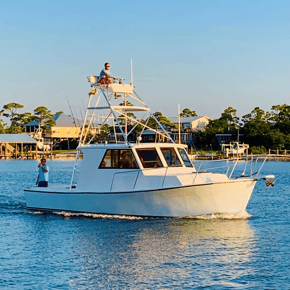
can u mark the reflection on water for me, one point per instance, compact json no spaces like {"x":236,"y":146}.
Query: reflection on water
{"x":69,"y":251}
{"x":174,"y":251}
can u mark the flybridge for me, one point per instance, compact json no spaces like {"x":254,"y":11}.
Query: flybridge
{"x":119,"y":103}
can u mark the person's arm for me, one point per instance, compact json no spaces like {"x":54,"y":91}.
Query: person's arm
{"x":42,"y":167}
{"x":107,"y":74}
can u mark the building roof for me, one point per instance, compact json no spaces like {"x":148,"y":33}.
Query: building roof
{"x":186,"y":119}
{"x":62,"y":120}
{"x":16,"y":138}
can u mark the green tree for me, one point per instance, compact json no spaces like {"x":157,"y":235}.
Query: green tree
{"x":258,"y":150}
{"x":105,"y":131}
{"x":129,"y":114}
{"x":276,"y":139}
{"x":228,"y":122}
{"x":229,"y":119}
{"x":3,"y":127}
{"x":256,"y":128}
{"x":24,"y":119}
{"x":188,"y":113}
{"x":44,"y":117}
{"x":10,"y":111}
{"x":280,"y":117}
{"x":103,"y":134}
{"x":162,"y":120}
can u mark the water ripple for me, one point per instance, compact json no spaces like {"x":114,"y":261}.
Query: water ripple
{"x":89,"y":251}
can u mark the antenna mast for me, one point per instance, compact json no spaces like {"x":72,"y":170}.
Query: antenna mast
{"x":131,"y":83}
{"x":179,"y":133}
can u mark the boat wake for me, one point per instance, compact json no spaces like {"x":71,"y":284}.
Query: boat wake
{"x":92,"y":215}
{"x":222,"y":216}
{"x":216,"y":216}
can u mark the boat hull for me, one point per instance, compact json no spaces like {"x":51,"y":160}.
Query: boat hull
{"x":225,"y":197}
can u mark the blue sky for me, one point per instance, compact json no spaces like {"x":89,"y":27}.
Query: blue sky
{"x":205,"y":54}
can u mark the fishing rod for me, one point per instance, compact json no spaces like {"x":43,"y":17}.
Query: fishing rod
{"x":71,"y":111}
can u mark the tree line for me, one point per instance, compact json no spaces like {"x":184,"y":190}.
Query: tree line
{"x":259,"y":128}
{"x":18,"y":120}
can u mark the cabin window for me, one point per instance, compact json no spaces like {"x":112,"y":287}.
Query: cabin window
{"x":121,"y":159}
{"x":149,"y":158}
{"x":185,"y":158}
{"x":171,"y":157}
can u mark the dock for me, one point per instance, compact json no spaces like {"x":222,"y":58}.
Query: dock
{"x":21,"y":146}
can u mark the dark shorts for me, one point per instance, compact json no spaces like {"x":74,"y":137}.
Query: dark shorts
{"x":42,"y":183}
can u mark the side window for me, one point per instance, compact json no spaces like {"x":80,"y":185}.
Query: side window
{"x":115,"y":159}
{"x":185,"y":158}
{"x":149,"y":158}
{"x":119,"y":159}
{"x":107,"y":160}
{"x":171,"y":157}
{"x":127,"y":159}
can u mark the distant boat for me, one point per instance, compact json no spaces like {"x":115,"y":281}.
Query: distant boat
{"x":139,"y":179}
{"x":235,"y":148}
{"x":41,"y":144}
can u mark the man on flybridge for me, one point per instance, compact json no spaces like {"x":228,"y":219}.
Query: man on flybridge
{"x":105,"y":75}
{"x":105,"y":78}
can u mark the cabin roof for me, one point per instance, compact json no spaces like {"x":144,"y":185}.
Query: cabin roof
{"x":17,"y":138}
{"x":132,"y":145}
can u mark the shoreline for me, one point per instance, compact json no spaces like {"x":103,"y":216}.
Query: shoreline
{"x":210,"y":157}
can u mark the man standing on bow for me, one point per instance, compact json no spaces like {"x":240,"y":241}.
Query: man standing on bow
{"x":43,"y":170}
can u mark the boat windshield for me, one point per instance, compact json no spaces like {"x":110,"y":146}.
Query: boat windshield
{"x":171,"y":157}
{"x":149,"y":158}
{"x":116,"y":158}
{"x":185,"y":157}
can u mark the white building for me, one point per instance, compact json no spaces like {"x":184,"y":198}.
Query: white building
{"x":192,"y":124}
{"x":188,"y":126}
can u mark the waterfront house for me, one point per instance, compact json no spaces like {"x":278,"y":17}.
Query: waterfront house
{"x":188,"y":128}
{"x":66,"y":127}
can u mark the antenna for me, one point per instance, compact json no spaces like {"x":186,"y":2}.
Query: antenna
{"x":179,"y":133}
{"x":131,"y":83}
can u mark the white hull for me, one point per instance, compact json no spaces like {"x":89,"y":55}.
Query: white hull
{"x":225,"y":197}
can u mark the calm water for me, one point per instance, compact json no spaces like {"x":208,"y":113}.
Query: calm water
{"x":62,"y":251}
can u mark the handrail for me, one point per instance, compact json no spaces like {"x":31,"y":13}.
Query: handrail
{"x":164,"y":176}
{"x":146,"y":169}
{"x":254,"y":162}
{"x":234,"y":167}
{"x":192,"y":173}
{"x":121,"y":173}
{"x":197,"y":173}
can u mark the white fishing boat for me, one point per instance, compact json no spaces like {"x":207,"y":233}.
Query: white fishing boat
{"x":136,"y":178}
